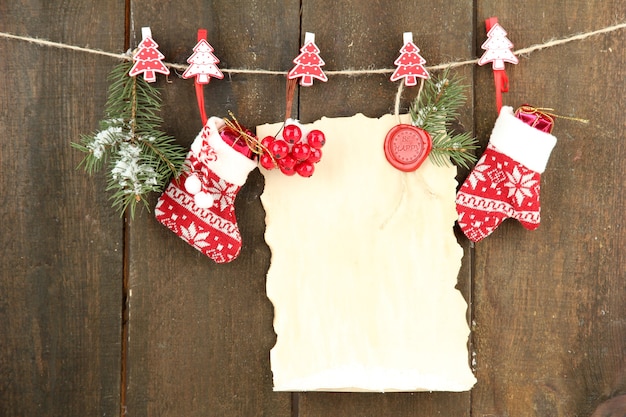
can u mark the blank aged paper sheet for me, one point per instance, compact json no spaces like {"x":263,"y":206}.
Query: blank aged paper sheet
{"x":363,"y":269}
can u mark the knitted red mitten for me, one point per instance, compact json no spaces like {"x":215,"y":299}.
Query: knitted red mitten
{"x":199,"y":205}
{"x":505,"y":181}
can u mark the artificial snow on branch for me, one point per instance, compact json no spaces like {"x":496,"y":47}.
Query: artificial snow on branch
{"x":141,"y":158}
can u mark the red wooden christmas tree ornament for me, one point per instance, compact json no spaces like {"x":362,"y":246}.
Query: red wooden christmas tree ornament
{"x":409,"y":63}
{"x":308,"y":63}
{"x":148,"y":59}
{"x":203,"y":63}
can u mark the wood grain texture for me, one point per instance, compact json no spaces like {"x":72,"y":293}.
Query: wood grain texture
{"x":369,"y":35}
{"x":549,"y":305}
{"x":613,"y":407}
{"x":60,"y":291}
{"x":549,"y":334}
{"x":200,"y":333}
{"x":362,"y":35}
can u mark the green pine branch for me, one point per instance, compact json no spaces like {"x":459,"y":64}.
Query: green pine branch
{"x":434,"y":110}
{"x":140,"y":157}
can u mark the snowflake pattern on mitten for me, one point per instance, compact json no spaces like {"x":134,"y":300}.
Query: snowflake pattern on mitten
{"x":505,"y":181}
{"x":498,"y":188}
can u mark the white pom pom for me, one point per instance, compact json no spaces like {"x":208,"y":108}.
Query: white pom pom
{"x":203,"y":200}
{"x":193,"y":184}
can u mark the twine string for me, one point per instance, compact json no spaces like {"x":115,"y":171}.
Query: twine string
{"x":347,"y":72}
{"x":396,"y":108}
{"x":289,"y":93}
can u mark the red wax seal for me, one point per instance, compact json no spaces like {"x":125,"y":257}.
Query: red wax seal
{"x":407,"y":146}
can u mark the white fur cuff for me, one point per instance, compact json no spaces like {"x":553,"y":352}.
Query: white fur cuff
{"x":230,"y":165}
{"x":523,"y":143}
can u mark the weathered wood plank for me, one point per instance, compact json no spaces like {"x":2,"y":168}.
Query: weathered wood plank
{"x":549,"y":304}
{"x":200,"y":333}
{"x":360,"y":35}
{"x":60,"y":292}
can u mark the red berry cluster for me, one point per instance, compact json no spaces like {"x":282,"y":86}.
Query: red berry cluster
{"x":293,"y":153}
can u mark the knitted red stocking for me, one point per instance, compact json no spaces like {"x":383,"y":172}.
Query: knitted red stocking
{"x":505,"y":181}
{"x":199,"y":205}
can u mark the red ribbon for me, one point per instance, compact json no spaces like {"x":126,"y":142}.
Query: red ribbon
{"x":499,"y":76}
{"x":202,"y":33}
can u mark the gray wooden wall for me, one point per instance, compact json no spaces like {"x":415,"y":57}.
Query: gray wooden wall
{"x":100,"y":316}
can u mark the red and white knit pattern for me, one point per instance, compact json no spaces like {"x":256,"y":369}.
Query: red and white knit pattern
{"x":505,"y":182}
{"x":198,"y":160}
{"x":222,"y":171}
{"x":497,"y":188}
{"x":212,"y":231}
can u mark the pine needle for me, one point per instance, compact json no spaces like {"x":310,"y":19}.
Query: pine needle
{"x":434,"y":110}
{"x":140,"y":157}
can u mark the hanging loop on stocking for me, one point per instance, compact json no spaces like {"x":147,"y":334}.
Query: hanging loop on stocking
{"x":202,"y":66}
{"x":498,"y":50}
